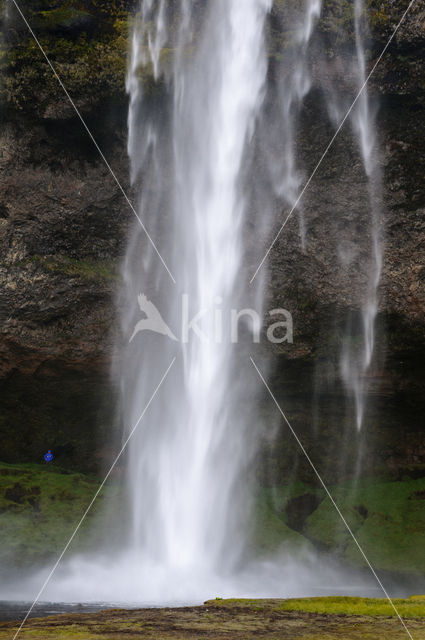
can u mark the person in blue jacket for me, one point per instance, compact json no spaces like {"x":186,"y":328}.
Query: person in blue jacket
{"x":48,"y":456}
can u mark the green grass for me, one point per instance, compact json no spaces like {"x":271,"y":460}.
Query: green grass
{"x":391,"y":529}
{"x":40,"y":507}
{"x":387,"y":518}
{"x":413,"y":607}
{"x":270,"y":531}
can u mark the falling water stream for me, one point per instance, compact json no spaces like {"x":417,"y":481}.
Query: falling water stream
{"x":355,"y":363}
{"x":186,"y":458}
{"x":195,"y":138}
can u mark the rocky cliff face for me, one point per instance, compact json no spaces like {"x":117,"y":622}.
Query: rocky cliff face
{"x":63,"y":229}
{"x":324,"y":284}
{"x":64,"y":224}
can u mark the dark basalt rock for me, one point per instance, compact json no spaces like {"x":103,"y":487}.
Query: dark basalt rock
{"x":299,"y":509}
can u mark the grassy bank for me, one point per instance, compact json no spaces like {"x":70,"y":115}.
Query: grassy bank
{"x":310,"y":619}
{"x":40,"y":506}
{"x":413,"y":607}
{"x":388,"y":519}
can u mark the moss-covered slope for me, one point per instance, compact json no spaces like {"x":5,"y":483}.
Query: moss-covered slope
{"x":40,"y":505}
{"x":387,"y":518}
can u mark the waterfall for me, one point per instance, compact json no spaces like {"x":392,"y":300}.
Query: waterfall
{"x":212,"y":145}
{"x":189,"y":131}
{"x":212,"y":142}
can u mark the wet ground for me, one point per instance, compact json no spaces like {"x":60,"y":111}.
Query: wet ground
{"x":224,"y":620}
{"x":10,"y":610}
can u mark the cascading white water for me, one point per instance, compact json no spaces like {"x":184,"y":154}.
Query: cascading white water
{"x":189,"y":140}
{"x":212,"y":146}
{"x":355,"y":363}
{"x":186,"y":459}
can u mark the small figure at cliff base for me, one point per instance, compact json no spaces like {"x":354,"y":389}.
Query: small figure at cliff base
{"x":48,"y":456}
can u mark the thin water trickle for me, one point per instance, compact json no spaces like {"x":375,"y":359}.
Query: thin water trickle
{"x":356,"y":362}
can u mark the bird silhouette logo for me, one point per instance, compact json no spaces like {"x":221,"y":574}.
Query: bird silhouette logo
{"x":153,"y":321}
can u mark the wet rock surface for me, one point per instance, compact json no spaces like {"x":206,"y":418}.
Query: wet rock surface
{"x":298,"y":509}
{"x":64,"y":226}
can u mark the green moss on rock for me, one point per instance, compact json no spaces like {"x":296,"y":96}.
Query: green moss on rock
{"x":39,"y":509}
{"x":387,"y":518}
{"x":87,"y":44}
{"x":84,"y":269}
